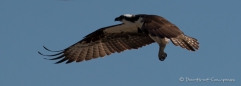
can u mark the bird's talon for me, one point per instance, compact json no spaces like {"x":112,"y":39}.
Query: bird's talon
{"x":163,"y":57}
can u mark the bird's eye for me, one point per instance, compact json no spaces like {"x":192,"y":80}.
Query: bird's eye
{"x":122,"y":17}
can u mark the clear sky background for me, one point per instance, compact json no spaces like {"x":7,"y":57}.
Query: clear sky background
{"x":27,"y":25}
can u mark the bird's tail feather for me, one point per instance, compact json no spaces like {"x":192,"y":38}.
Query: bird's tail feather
{"x":186,"y":42}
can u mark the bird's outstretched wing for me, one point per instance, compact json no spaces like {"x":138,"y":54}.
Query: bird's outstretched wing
{"x":102,"y":42}
{"x":158,"y":26}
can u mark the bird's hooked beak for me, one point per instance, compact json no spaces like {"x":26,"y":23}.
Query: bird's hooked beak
{"x":117,"y":19}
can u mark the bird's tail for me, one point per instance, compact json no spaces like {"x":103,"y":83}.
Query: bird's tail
{"x":186,"y":42}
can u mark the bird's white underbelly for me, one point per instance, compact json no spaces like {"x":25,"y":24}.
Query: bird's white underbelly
{"x":160,"y":40}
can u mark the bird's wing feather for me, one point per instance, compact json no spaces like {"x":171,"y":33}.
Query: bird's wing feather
{"x":102,"y":42}
{"x":158,"y":26}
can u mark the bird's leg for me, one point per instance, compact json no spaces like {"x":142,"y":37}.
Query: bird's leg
{"x":162,"y":55}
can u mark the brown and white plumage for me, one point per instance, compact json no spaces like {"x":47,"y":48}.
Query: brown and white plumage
{"x":162,"y":28}
{"x":135,"y":31}
{"x":101,"y":43}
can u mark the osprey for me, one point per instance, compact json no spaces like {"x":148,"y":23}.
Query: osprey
{"x":134,"y":32}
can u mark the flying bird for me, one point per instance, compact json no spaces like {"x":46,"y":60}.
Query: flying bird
{"x":134,"y":32}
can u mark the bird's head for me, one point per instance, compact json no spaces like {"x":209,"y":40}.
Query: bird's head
{"x":127,"y":18}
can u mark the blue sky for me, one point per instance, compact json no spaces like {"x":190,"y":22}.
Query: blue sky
{"x":27,"y":25}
